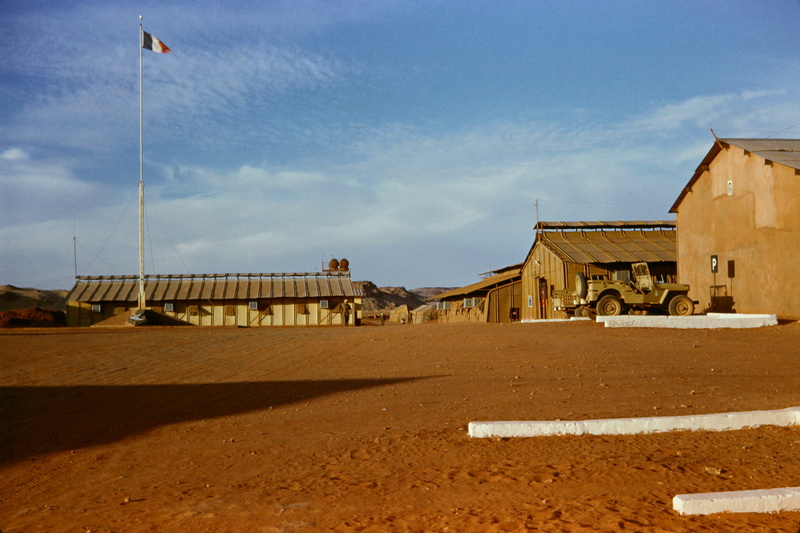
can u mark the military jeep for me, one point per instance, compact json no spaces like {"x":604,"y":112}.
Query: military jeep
{"x":638,"y":295}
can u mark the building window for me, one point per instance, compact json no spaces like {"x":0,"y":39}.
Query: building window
{"x":169,"y":307}
{"x":469,"y":303}
{"x":97,"y":308}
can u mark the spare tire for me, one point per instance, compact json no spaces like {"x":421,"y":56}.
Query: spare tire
{"x":581,"y":286}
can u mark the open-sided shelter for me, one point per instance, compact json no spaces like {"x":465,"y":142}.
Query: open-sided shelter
{"x":400,"y":314}
{"x":739,"y":242}
{"x":424,"y":313}
{"x":287,"y":299}
{"x":600,"y":250}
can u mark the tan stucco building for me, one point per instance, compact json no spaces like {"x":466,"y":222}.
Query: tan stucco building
{"x":285,"y":299}
{"x":600,"y":250}
{"x":741,"y":212}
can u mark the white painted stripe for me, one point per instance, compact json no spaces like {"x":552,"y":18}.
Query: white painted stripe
{"x":709,"y":321}
{"x":549,"y":320}
{"x":745,"y":501}
{"x":630,"y":426}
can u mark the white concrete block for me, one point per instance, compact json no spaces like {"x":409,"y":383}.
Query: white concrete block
{"x":744,"y":321}
{"x":709,"y":321}
{"x":745,"y":501}
{"x":630,"y":426}
{"x":549,"y":320}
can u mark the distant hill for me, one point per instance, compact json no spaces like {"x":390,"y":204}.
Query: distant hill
{"x":12,"y":297}
{"x":430,"y":292}
{"x":383,"y":298}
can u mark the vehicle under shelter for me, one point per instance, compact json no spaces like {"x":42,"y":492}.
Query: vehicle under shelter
{"x":598,"y":250}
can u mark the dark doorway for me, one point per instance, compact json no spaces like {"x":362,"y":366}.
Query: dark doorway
{"x":542,"y":298}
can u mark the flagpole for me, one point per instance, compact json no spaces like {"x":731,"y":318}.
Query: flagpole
{"x":141,"y":176}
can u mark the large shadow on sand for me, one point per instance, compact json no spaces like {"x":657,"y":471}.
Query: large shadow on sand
{"x":39,"y":420}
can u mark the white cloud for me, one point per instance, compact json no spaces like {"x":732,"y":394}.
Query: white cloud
{"x":702,"y":111}
{"x":14,"y":154}
{"x":34,"y":190}
{"x":453,"y":201}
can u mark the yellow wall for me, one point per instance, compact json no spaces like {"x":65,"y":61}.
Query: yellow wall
{"x":542,"y":264}
{"x":458,"y":313}
{"x":279,"y":312}
{"x":546,"y":268}
{"x":500,"y":301}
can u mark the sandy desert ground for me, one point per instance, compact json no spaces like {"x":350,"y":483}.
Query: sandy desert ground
{"x":364,"y":429}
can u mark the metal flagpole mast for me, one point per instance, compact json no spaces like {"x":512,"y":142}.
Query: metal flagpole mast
{"x":141,"y":176}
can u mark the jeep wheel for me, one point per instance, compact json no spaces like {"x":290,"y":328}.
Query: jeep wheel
{"x":581,"y":287}
{"x":681,"y":305}
{"x":609,"y":305}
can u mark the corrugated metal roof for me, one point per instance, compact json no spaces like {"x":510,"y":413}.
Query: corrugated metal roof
{"x":624,"y":246}
{"x":162,"y":288}
{"x":503,"y":270}
{"x":485,"y":285}
{"x":619,"y":224}
{"x":783,"y":151}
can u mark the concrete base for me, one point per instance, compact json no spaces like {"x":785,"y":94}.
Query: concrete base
{"x":631,"y":426}
{"x":745,"y":501}
{"x":709,"y":321}
{"x":547,"y":320}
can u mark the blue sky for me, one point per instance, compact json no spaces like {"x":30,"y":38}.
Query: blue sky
{"x":412,"y":138}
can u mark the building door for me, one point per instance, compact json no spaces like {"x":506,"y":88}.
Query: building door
{"x":542,"y":298}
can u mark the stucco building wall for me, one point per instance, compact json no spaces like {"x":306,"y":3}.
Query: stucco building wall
{"x":745,"y":210}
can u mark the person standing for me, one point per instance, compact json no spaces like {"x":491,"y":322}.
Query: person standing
{"x":346,"y":312}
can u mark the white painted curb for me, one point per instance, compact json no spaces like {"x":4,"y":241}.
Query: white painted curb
{"x":745,"y":501}
{"x":548,"y":320}
{"x":709,"y":321}
{"x":630,"y":426}
{"x":748,"y":501}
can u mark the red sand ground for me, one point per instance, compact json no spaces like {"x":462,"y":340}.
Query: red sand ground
{"x":364,"y":429}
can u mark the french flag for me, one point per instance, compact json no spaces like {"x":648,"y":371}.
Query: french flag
{"x":151,"y":43}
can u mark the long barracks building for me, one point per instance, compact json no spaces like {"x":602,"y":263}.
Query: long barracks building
{"x":283,"y":299}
